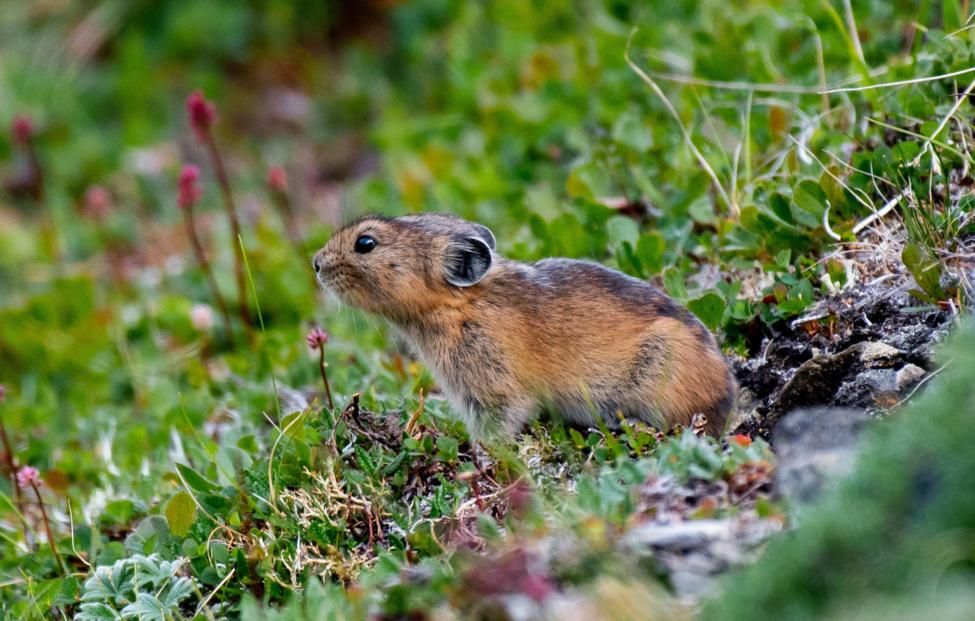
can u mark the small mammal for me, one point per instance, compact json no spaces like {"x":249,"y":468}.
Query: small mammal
{"x":506,"y":340}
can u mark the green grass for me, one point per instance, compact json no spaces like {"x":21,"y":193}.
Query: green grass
{"x":685,"y":143}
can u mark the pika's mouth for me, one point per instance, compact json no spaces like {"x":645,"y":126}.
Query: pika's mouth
{"x":331,"y":283}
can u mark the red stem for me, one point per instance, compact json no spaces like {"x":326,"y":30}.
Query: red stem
{"x":283,"y":203}
{"x":47,"y":529}
{"x":321,"y":366}
{"x":11,"y":466}
{"x":230,"y":207}
{"x":201,"y":259}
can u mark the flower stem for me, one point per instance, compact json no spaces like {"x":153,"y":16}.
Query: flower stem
{"x":231,"y":208}
{"x":10,"y":466}
{"x":283,"y":204}
{"x":321,"y":366}
{"x":47,"y":530}
{"x":201,"y":259}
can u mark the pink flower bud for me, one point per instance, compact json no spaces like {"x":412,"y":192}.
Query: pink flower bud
{"x":98,"y":202}
{"x":3,"y":393}
{"x":189,"y":191}
{"x":22,"y":129}
{"x":317,"y":338}
{"x":201,"y":113}
{"x":28,"y":477}
{"x":277,"y":179}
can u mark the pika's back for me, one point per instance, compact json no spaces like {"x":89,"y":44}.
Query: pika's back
{"x":506,"y":339}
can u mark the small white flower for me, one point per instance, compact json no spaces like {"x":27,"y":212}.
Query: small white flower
{"x":202,"y":317}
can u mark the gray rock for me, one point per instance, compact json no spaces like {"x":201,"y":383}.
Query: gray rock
{"x":815,"y":446}
{"x":679,"y":535}
{"x":694,"y":554}
{"x":859,"y":376}
{"x":908,"y":377}
{"x":692,"y":586}
{"x":876,"y":353}
{"x":871,"y":388}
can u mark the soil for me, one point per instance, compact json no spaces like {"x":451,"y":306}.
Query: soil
{"x":835,"y":355}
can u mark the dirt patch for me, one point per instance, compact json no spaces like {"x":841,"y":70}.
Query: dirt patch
{"x":866,"y":347}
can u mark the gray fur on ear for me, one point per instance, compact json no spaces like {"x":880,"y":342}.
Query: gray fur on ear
{"x":486,"y":235}
{"x":467,"y":261}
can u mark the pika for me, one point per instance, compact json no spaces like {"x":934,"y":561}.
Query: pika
{"x":506,"y":340}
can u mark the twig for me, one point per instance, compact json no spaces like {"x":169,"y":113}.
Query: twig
{"x":829,"y":230}
{"x":922,"y":383}
{"x":206,"y":600}
{"x":415,"y":416}
{"x":867,"y":87}
{"x":880,"y":213}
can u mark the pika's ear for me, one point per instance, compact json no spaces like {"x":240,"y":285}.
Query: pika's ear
{"x":485,"y":234}
{"x":467,"y":260}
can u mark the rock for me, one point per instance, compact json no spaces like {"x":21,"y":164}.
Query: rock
{"x":908,"y":377}
{"x":876,"y":352}
{"x":815,"y":447}
{"x":695,"y":553}
{"x":678,"y":536}
{"x":871,"y":388}
{"x":692,"y":585}
{"x":854,"y":377}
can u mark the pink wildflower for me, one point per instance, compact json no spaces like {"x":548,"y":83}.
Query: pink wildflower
{"x":317,"y":338}
{"x":28,"y":477}
{"x":22,"y":129}
{"x":201,"y":113}
{"x":277,"y":179}
{"x":3,"y":393}
{"x":189,"y":191}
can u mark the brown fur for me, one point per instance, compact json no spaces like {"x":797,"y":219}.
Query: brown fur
{"x":571,"y":337}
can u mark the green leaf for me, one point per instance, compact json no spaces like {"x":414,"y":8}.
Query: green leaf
{"x":674,"y":283}
{"x":588,"y":181}
{"x":447,"y":448}
{"x":650,"y":250}
{"x":195,"y":480}
{"x":630,"y":130}
{"x":621,"y":229}
{"x":180,"y":513}
{"x":811,"y":200}
{"x":702,"y":209}
{"x":709,"y":308}
{"x":926,"y":269}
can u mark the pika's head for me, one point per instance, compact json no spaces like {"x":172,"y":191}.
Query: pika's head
{"x":403,"y":267}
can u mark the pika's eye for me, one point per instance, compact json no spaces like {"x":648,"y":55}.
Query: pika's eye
{"x":365,"y":244}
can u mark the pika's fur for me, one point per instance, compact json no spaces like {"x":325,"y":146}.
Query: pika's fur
{"x":506,"y":340}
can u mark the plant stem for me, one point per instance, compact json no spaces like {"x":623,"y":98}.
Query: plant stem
{"x":321,"y":366}
{"x":283,"y":204}
{"x":230,"y":207}
{"x":47,"y":529}
{"x":11,"y":466}
{"x":201,"y":260}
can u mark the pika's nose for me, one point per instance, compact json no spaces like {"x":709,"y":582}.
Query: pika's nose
{"x":316,"y":262}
